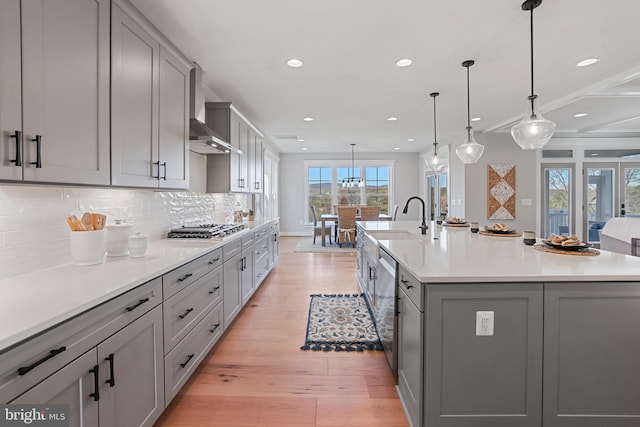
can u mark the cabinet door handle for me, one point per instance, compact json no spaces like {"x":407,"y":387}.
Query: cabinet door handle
{"x":96,"y":386}
{"x":214,"y":327}
{"x":138,"y":304}
{"x":213,"y":261}
{"x":156,"y":176}
{"x":186,"y":362}
{"x":183,"y":315}
{"x":164,"y":165}
{"x":112,"y":379}
{"x":38,"y":141}
{"x":23,"y":370}
{"x":18,"y":136}
{"x":257,"y":185}
{"x":214,"y":290}
{"x":185,"y":277}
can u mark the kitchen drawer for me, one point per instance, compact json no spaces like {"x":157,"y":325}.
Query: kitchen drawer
{"x":186,"y":308}
{"x":180,"y":363}
{"x":261,"y":232}
{"x":248,"y":240}
{"x":412,"y":287}
{"x":178,"y":279}
{"x":261,"y":247}
{"x":261,"y":267}
{"x":229,"y":250}
{"x":50,"y":351}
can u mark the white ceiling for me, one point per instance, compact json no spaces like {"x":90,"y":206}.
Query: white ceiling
{"x":350,"y":85}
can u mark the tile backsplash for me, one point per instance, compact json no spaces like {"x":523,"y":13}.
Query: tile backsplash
{"x":34,"y":234}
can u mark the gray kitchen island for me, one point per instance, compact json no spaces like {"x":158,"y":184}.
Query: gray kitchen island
{"x":491,"y":332}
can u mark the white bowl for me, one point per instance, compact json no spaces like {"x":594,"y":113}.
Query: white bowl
{"x":88,"y":247}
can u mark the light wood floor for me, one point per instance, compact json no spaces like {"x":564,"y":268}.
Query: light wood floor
{"x":257,"y":375}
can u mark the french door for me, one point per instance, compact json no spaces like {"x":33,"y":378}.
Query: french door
{"x":558,"y":201}
{"x":630,"y":189}
{"x":601,"y":189}
{"x":437,"y":196}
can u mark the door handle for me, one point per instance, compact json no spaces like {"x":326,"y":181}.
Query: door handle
{"x":38,"y":141}
{"x":18,"y":136}
{"x":112,"y":379}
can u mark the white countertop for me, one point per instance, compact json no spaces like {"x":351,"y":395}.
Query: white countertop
{"x":32,"y":303}
{"x":455,"y":255}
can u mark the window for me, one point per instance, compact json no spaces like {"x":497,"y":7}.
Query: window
{"x":324,"y":186}
{"x":376,"y":188}
{"x":319,"y":187}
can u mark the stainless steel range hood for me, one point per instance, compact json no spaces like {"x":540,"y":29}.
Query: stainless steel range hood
{"x":202,"y":139}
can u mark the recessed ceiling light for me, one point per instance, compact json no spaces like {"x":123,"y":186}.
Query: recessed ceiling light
{"x":294,"y":63}
{"x":587,"y":62}
{"x":392,"y":119}
{"x":308,"y":119}
{"x":404,"y":62}
{"x":304,"y":148}
{"x":396,"y":148}
{"x":410,"y":140}
{"x":476,"y":119}
{"x":580,"y":115}
{"x":300,"y":140}
{"x":595,"y":154}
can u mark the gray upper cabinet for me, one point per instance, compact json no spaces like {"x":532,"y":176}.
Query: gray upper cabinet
{"x":149,"y":106}
{"x":233,"y":172}
{"x":64,"y":48}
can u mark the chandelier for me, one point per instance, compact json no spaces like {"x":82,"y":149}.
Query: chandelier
{"x":352,"y":181}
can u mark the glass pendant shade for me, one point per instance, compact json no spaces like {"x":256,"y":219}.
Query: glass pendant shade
{"x":534,"y":131}
{"x":470,"y":151}
{"x":434,"y":162}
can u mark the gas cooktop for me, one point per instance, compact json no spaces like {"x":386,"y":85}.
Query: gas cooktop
{"x":204,"y":231}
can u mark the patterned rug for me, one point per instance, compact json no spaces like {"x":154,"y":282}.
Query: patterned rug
{"x":340,"y":322}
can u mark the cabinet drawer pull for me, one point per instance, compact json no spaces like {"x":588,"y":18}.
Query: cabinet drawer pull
{"x":406,"y":283}
{"x":186,"y":362}
{"x":138,"y":304}
{"x":112,"y":379}
{"x":38,"y":141}
{"x":189,"y":310}
{"x":18,"y":136}
{"x":216,"y":326}
{"x":214,"y":290}
{"x":185,"y":277}
{"x":52,"y":353}
{"x":213,"y":261}
{"x":96,"y":386}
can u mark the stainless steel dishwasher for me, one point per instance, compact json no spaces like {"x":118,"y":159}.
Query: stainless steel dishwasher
{"x":385,"y":306}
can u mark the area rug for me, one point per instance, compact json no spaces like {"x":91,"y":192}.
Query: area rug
{"x":340,"y":322}
{"x":305,"y":244}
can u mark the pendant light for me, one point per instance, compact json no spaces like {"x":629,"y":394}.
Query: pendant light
{"x":534,"y":131}
{"x":434,"y":161}
{"x":351,"y":180}
{"x":470,"y":151}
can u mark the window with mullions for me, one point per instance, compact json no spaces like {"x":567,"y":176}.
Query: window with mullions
{"x":377,"y":187}
{"x":319,"y":181}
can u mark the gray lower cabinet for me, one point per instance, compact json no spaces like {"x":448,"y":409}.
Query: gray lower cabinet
{"x":119,"y":382}
{"x":591,"y":355}
{"x":232,"y":293}
{"x":261,"y":257}
{"x":483,"y":381}
{"x":410,"y":357}
{"x":54,"y":80}
{"x":247,"y":271}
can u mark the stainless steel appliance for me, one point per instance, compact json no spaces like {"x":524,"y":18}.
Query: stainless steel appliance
{"x":204,"y":231}
{"x":385,"y":306}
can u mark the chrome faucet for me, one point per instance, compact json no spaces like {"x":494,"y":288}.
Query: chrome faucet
{"x":423,"y":226}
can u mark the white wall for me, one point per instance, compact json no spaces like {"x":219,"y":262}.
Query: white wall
{"x":498,"y":148}
{"x":405,"y":183}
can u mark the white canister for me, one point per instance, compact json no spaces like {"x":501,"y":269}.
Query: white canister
{"x":137,"y":245}
{"x":117,"y":235}
{"x":87,"y":247}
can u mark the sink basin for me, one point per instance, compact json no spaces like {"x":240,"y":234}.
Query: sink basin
{"x":393,"y":235}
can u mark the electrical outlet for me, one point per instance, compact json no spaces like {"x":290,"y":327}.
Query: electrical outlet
{"x":484,"y":323}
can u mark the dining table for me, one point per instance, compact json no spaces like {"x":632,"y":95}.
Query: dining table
{"x":324,"y":218}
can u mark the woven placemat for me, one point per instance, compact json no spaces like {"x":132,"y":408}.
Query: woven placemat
{"x":582,"y":252}
{"x":488,"y":233}
{"x":466,"y":224}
